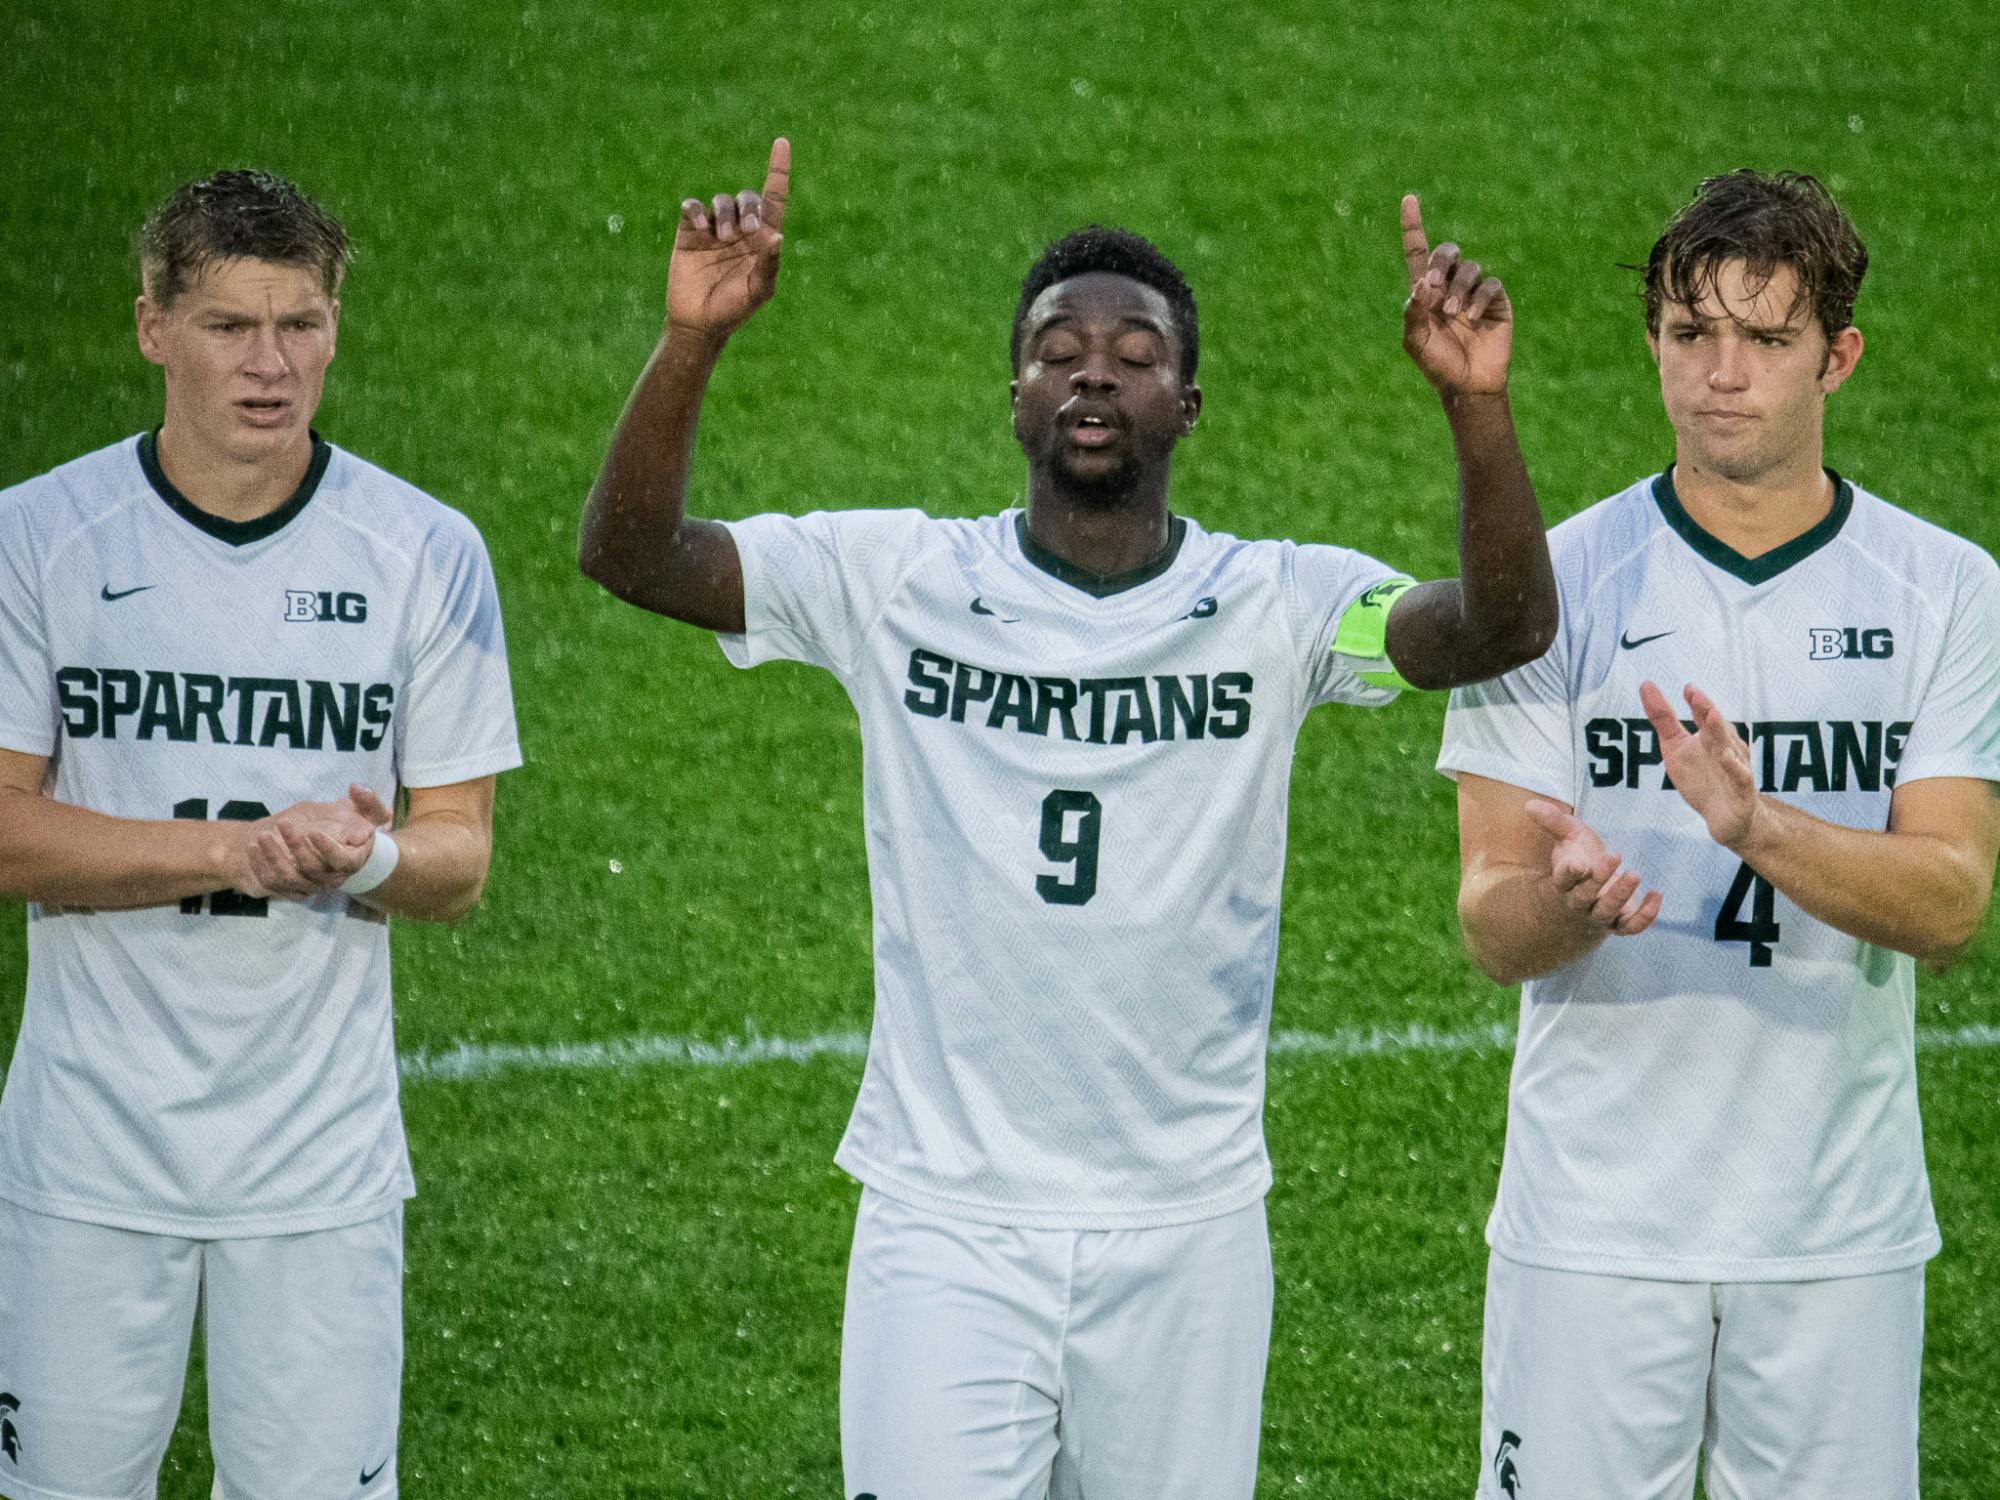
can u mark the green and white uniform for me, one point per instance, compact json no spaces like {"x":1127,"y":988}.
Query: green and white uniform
{"x":1075,"y":814}
{"x":1731,"y":1096}
{"x":1075,"y":800}
{"x":225,"y":1068}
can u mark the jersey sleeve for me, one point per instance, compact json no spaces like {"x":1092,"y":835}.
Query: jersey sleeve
{"x":457,"y":718}
{"x":1957,"y":729}
{"x":1340,"y":605}
{"x":813,"y":584}
{"x":28,"y":712}
{"x":1516,"y":727}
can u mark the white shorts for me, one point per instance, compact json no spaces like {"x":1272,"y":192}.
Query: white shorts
{"x":304,"y":1338}
{"x":1602,"y":1386}
{"x":984,"y":1361}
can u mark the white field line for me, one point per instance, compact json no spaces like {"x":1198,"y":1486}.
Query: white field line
{"x":470,"y":1060}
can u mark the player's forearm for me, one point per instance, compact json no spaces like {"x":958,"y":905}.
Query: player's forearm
{"x":1907,"y":891}
{"x":440,"y":870}
{"x":59,"y":854}
{"x":1507,"y":585}
{"x":1517,"y":927}
{"x":1501,"y":611}
{"x":633,"y":535}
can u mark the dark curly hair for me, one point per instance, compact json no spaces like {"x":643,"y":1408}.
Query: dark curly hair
{"x":237,"y":215}
{"x":1123,"y":253}
{"x":1765,"y":221}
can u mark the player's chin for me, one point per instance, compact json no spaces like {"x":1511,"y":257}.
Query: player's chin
{"x":1101,"y":486}
{"x":1740,"y":464}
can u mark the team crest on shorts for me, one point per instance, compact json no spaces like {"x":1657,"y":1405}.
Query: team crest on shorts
{"x":1505,"y":1473}
{"x":10,"y":1435}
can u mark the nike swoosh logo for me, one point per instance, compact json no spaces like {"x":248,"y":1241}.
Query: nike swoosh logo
{"x":979,"y":608}
{"x":107,"y":596}
{"x":1204,"y":608}
{"x":1627,"y":643}
{"x":368,"y":1474}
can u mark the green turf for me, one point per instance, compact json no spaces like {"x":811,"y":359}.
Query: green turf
{"x":619,"y":1285}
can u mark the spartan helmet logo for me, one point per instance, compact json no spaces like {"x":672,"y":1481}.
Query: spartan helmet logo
{"x":1504,"y":1471}
{"x":10,"y":1435}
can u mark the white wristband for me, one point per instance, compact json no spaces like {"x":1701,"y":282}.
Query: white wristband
{"x":378,"y":867}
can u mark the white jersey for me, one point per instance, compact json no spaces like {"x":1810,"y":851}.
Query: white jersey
{"x":226,"y":1067}
{"x":1732,"y":1095}
{"x":1075,"y":811}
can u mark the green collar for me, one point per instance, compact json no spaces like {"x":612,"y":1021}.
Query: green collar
{"x":1767,"y":565}
{"x":236,"y":533}
{"x":1100,"y":585}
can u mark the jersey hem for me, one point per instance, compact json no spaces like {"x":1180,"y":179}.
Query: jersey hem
{"x":1020,"y":1216}
{"x":27,"y":741}
{"x":20,"y":1489}
{"x":1944,"y":769}
{"x":452,"y":771}
{"x":209,"y":1227}
{"x":1497,"y":768}
{"x":1742,"y":1269}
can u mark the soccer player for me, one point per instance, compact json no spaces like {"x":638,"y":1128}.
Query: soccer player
{"x":1078,"y":723}
{"x":1713,"y":1216}
{"x":225,"y":646}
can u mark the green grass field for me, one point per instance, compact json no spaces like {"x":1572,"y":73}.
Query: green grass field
{"x":626,"y":1281}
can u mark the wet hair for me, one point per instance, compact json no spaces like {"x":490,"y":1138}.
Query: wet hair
{"x":237,"y":215}
{"x":1765,"y":221}
{"x":1122,"y":253}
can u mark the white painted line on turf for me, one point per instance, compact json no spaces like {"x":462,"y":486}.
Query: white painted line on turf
{"x":469,"y":1060}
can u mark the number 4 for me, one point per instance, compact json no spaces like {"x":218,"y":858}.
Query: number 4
{"x":1761,"y":931}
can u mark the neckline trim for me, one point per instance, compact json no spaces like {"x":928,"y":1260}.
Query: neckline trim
{"x":1100,"y":585}
{"x":1766,"y":565}
{"x":235,"y":533}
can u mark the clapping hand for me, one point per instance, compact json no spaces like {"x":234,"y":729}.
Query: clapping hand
{"x":1710,"y":768}
{"x":1586,"y":874}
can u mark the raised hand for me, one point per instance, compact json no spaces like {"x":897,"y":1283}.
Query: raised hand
{"x":1457,"y":325}
{"x":1586,"y":874}
{"x":725,"y":260}
{"x":1710,"y":768}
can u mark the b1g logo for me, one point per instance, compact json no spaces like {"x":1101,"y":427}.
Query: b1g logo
{"x":1851,"y":643}
{"x":303,"y":606}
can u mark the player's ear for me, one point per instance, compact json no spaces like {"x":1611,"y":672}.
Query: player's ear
{"x":1843,"y":353}
{"x":332,"y":326}
{"x":146,"y":315}
{"x":1653,"y":344}
{"x":1190,"y":407}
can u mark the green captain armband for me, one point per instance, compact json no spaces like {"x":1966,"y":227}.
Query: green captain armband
{"x":1363,"y":634}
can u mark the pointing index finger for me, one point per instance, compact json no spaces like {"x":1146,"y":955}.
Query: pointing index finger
{"x":777,"y":182}
{"x":1416,"y":245}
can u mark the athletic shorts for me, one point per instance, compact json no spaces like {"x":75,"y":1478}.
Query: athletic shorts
{"x":304,"y":1351}
{"x":1016,"y":1364}
{"x":1600,"y":1386}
